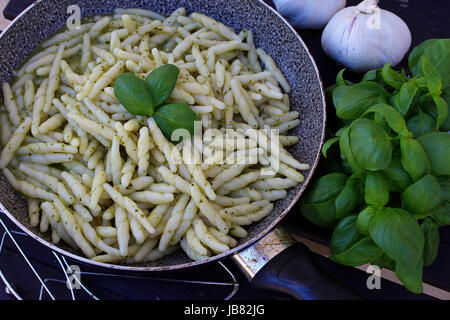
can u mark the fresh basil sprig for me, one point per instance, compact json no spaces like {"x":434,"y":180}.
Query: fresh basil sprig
{"x":149,"y":96}
{"x":437,"y":51}
{"x":431,"y":232}
{"x":437,"y":147}
{"x":427,"y":187}
{"x":319,"y":204}
{"x":356,"y":99}
{"x":386,"y":190}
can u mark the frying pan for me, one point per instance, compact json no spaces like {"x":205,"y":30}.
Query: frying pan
{"x":275,"y":263}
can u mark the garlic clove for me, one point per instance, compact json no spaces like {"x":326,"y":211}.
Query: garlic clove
{"x":365,"y":37}
{"x":309,"y":14}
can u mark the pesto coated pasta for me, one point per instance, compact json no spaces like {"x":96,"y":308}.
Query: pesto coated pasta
{"x":110,"y":183}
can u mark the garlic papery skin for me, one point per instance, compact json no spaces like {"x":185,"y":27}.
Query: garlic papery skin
{"x":365,"y":37}
{"x":309,"y":14}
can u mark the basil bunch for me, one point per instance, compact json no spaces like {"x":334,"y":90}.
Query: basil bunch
{"x":389,"y":190}
{"x":148,"y":97}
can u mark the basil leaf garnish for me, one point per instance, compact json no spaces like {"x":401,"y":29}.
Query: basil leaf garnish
{"x":141,"y":97}
{"x":133,"y":94}
{"x":173,"y":116}
{"x":161,"y":83}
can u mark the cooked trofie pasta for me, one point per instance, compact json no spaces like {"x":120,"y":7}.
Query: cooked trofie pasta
{"x":113,"y":184}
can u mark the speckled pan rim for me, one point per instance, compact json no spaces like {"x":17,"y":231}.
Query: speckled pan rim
{"x":235,"y":250}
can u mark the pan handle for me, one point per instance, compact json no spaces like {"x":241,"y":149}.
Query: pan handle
{"x":294,"y":273}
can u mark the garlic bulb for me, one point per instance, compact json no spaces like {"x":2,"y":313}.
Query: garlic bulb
{"x":309,"y":14}
{"x":366,"y":37}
